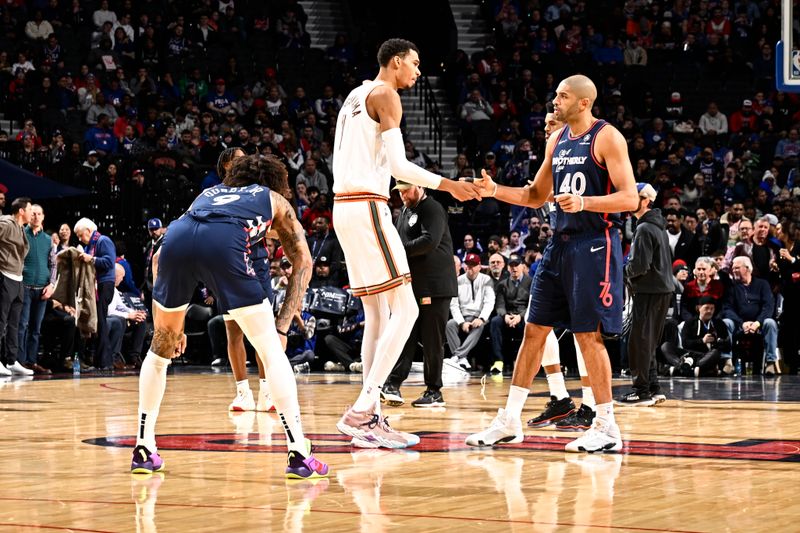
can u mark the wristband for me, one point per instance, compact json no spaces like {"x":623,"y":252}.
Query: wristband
{"x":581,"y":198}
{"x":494,"y":192}
{"x":284,"y":333}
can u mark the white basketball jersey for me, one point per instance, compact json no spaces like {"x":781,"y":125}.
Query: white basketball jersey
{"x":360,"y":164}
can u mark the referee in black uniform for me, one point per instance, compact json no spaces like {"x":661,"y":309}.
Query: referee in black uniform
{"x":422,"y":226}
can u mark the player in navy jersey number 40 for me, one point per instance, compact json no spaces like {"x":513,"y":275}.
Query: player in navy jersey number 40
{"x":579,"y":282}
{"x":211,"y":243}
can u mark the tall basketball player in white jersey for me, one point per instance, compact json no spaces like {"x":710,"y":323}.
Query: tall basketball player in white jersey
{"x":368,"y":151}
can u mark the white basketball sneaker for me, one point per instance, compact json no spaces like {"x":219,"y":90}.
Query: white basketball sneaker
{"x":264,"y":403}
{"x":503,"y":430}
{"x":601,"y":437}
{"x":243,"y":402}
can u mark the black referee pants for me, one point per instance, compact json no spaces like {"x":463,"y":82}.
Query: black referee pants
{"x":648,"y":317}
{"x":429,"y":330}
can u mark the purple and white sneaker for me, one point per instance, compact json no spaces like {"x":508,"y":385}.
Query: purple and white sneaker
{"x":146,"y":462}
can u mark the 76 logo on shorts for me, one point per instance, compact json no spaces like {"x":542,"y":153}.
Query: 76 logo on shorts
{"x":605,"y":294}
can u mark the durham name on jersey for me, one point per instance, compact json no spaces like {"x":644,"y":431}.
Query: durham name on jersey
{"x":250,"y":207}
{"x":360,"y":164}
{"x":575,"y":171}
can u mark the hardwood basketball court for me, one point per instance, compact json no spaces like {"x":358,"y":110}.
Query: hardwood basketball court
{"x":721,"y":454}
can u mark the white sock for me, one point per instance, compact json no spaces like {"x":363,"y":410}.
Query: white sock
{"x":555,"y":382}
{"x":605,"y":412}
{"x":370,"y":396}
{"x":290,"y":419}
{"x":242,"y":386}
{"x":152,"y":383}
{"x":588,"y":397}
{"x":283,"y":394}
{"x":516,"y":401}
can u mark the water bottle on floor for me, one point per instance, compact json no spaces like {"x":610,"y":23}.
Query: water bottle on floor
{"x":76,"y":365}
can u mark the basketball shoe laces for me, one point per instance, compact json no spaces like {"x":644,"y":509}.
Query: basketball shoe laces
{"x":373,"y":422}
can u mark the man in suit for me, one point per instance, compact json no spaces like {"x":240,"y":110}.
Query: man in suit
{"x":511,"y":302}
{"x":423,"y":229}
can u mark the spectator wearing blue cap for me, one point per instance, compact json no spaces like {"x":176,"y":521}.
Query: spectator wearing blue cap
{"x":649,"y":273}
{"x":157,"y":230}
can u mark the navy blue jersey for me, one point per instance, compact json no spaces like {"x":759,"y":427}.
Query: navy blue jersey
{"x":250,"y":207}
{"x":576,"y":171}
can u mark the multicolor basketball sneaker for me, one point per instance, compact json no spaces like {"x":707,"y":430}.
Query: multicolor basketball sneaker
{"x":145,"y":462}
{"x":305,"y":467}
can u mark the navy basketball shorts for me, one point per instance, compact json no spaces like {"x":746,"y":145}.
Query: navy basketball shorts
{"x":578,"y":284}
{"x":214,"y":252}
{"x":261,"y":267}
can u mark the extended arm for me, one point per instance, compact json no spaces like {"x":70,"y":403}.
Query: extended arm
{"x":296,"y":250}
{"x":383,"y":104}
{"x":535,"y":194}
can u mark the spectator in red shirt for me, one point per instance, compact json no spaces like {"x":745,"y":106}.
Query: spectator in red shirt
{"x":703,"y":284}
{"x":743,"y":118}
{"x":130,"y":119}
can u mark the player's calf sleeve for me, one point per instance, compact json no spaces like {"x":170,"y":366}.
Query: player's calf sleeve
{"x":376,"y":315}
{"x":551,"y":354}
{"x":258,"y":326}
{"x":404,"y":312}
{"x":152,"y":383}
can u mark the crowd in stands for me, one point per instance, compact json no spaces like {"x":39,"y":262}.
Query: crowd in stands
{"x":133,"y":102}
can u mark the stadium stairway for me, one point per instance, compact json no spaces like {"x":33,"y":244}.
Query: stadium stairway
{"x":473,"y":32}
{"x":417,"y":129}
{"x":324,"y":21}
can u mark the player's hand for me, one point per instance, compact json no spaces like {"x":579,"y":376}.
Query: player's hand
{"x":476,"y":323}
{"x":461,"y":190}
{"x":465,"y":327}
{"x":181,"y":347}
{"x":570,"y":203}
{"x":486,"y":185}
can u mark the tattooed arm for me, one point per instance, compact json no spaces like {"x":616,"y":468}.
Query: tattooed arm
{"x":293,"y":240}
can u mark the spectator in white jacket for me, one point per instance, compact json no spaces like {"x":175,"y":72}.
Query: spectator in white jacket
{"x":38,"y":29}
{"x":103,"y":15}
{"x":470,"y":310}
{"x":713,"y":121}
